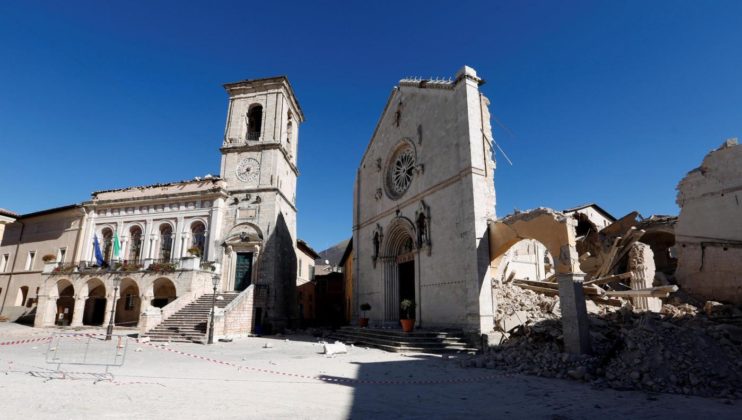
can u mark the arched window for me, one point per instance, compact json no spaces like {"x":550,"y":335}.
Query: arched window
{"x":135,"y":243}
{"x":254,"y":122}
{"x":290,"y":128}
{"x":198,"y":232}
{"x":107,"y":243}
{"x":166,"y":242}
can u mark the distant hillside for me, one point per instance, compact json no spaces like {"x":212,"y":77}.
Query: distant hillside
{"x":334,"y":253}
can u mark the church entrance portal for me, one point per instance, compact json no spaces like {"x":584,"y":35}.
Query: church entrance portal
{"x":407,"y":281}
{"x":243,"y":271}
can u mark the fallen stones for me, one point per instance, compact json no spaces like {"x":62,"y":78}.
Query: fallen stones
{"x":680,"y":350}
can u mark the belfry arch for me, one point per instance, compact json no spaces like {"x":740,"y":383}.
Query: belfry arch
{"x":399,"y":265}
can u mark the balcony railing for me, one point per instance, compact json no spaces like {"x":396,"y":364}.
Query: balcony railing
{"x":148,"y":265}
{"x":253,"y":135}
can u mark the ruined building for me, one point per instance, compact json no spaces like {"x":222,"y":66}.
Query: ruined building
{"x":708,"y":230}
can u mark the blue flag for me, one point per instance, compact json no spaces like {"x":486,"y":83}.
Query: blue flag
{"x":98,"y":254}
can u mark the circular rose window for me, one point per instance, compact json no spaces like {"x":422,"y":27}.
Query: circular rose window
{"x":400,"y":171}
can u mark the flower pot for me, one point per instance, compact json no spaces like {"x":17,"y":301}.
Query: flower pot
{"x":363,"y":322}
{"x":407,"y":324}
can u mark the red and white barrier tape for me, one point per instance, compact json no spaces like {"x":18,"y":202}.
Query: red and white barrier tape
{"x":26,"y":341}
{"x":329,"y":379}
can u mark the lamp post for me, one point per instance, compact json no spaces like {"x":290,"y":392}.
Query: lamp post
{"x":109,"y":330}
{"x":214,"y":282}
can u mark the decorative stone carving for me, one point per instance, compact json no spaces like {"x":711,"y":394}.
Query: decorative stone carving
{"x":378,"y":194}
{"x":422,"y":224}
{"x":377,"y":238}
{"x":401,"y":171}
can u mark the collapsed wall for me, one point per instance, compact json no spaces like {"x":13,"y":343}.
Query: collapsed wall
{"x":709,"y":227}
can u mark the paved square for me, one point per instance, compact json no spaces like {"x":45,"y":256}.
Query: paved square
{"x":288,"y":377}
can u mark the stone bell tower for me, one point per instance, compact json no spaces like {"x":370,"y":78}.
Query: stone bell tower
{"x":259,"y":166}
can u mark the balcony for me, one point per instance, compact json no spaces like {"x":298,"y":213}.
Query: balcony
{"x":133,"y":266}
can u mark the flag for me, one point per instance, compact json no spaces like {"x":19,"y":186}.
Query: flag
{"x":116,"y":245}
{"x":98,"y":254}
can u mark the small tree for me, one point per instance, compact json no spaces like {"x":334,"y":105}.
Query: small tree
{"x":408,"y":308}
{"x":365,"y":307}
{"x":195,"y":251}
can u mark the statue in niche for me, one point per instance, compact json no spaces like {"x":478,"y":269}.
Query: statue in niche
{"x":422,"y":227}
{"x":377,"y":238}
{"x":422,"y":223}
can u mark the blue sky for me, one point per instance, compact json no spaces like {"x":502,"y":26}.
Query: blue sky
{"x":605,"y":101}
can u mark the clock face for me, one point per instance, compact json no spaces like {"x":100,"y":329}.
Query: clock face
{"x":248,"y":170}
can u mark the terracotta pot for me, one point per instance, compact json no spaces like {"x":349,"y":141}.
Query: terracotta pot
{"x":407,"y":324}
{"x":363,"y":322}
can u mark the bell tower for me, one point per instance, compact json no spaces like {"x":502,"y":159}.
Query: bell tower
{"x":258,"y":164}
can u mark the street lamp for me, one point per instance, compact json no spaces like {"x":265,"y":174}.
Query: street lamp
{"x":109,"y":331}
{"x":214,"y":282}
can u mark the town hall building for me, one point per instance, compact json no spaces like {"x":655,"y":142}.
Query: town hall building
{"x":162,"y":244}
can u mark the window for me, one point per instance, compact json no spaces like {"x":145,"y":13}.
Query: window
{"x":107,"y":243}
{"x":129,"y":302}
{"x":4,"y":262}
{"x":135,"y":243}
{"x":30,"y":260}
{"x":254,"y":122}
{"x":299,"y":268}
{"x":311,"y":272}
{"x":198,"y":230}
{"x":61,"y":254}
{"x":166,"y":242}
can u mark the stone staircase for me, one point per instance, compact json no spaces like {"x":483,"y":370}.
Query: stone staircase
{"x":189,"y":324}
{"x":395,"y":340}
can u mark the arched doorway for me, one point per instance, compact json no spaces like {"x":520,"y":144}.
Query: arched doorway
{"x":65,"y":302}
{"x":163,"y":291}
{"x":527,"y":259}
{"x":95,"y":304}
{"x":398,"y":261}
{"x":128,"y":304}
{"x":20,"y":299}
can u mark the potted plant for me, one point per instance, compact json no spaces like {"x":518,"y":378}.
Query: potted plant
{"x":194,"y":251}
{"x":408,"y":315}
{"x":363,"y":321}
{"x":50,"y":263}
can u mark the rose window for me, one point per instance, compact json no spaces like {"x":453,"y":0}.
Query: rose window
{"x":400,"y":172}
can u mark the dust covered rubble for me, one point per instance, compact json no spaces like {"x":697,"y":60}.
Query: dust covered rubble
{"x":679,"y":350}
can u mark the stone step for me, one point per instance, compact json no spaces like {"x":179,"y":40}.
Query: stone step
{"x":189,"y":324}
{"x":419,"y":341}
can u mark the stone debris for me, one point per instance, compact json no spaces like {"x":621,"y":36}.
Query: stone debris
{"x":680,"y":350}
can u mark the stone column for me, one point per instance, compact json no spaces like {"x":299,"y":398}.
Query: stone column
{"x":109,"y":308}
{"x":78,"y":311}
{"x":575,"y":323}
{"x":45,"y":310}
{"x":641,"y":266}
{"x":145,"y":302}
{"x":215,"y":222}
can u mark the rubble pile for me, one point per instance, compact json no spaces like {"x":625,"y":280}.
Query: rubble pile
{"x":680,"y":350}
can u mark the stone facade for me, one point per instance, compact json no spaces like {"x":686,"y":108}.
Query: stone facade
{"x":239,"y":226}
{"x":708,"y":231}
{"x":25,"y":243}
{"x":423,"y":194}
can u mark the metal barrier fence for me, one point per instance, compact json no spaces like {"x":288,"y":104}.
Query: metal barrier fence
{"x":87,"y":350}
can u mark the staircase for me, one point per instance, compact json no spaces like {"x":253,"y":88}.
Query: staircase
{"x":188,"y":325}
{"x":394,"y":340}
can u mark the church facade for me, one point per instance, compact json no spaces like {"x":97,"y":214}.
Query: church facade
{"x":162,"y":244}
{"x":424,"y":193}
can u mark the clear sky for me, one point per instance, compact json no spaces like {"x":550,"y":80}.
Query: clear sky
{"x":604,"y":101}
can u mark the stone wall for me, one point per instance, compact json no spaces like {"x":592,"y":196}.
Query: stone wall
{"x":709,"y":227}
{"x":445,"y":125}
